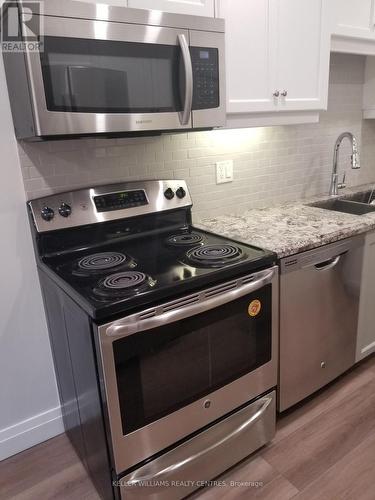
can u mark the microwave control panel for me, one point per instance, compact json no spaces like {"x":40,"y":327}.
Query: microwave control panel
{"x":205,"y":62}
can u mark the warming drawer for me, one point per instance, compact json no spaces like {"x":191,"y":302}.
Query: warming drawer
{"x":194,"y":462}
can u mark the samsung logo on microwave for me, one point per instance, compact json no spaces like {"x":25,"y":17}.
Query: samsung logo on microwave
{"x":143,"y":121}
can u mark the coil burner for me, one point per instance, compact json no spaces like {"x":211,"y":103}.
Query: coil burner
{"x":102,"y":263}
{"x":124,"y":283}
{"x":214,"y":255}
{"x":184,"y":240}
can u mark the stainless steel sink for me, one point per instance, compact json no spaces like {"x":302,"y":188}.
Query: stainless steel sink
{"x":365,"y":197}
{"x":346,"y":206}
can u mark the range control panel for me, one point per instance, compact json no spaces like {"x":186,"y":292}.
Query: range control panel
{"x":121,"y":200}
{"x":107,"y":203}
{"x":205,"y":62}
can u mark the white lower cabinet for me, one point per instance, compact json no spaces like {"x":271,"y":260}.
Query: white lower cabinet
{"x":191,"y":7}
{"x":366,"y":323}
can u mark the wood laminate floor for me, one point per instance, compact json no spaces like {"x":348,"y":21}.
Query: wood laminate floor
{"x":323,"y":450}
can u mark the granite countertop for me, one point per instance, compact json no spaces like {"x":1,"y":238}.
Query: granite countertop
{"x":291,"y":228}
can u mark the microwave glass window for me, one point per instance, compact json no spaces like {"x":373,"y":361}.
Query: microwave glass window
{"x":100,"y":76}
{"x":159,"y":371}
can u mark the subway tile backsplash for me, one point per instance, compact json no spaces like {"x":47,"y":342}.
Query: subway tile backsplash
{"x":271,"y":164}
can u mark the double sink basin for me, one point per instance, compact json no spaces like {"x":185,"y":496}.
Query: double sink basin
{"x":356,"y":204}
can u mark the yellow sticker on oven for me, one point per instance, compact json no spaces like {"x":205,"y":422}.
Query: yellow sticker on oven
{"x":254,"y":308}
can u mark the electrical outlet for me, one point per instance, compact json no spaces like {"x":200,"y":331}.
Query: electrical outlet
{"x":224,"y":171}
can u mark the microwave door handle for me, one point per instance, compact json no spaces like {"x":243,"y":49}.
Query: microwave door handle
{"x":133,"y":324}
{"x":185,"y":115}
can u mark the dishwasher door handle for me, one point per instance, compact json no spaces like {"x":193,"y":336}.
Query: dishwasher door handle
{"x":328,"y":264}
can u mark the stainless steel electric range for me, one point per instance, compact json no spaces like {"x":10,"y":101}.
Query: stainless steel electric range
{"x":164,"y":337}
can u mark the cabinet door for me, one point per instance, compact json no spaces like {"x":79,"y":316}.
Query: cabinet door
{"x":302,"y":55}
{"x":192,"y":7}
{"x":366,"y":323}
{"x":355,"y":19}
{"x":250,"y":54}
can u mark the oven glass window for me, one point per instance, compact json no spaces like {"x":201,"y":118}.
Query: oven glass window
{"x":100,"y":76}
{"x":159,"y":371}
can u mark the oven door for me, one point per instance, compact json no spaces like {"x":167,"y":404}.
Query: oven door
{"x":108,"y":77}
{"x":170,"y":370}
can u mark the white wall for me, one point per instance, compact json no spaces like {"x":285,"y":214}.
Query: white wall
{"x":29,"y":407}
{"x":271,"y":164}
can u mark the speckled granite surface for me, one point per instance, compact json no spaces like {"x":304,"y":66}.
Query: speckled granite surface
{"x":290,"y":228}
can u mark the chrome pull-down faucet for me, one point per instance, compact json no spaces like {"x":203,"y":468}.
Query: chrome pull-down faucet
{"x":335,"y":185}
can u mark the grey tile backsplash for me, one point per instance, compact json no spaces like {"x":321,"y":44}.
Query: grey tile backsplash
{"x":271,"y":164}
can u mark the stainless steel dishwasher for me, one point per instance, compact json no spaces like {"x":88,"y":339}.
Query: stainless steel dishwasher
{"x":319,"y":303}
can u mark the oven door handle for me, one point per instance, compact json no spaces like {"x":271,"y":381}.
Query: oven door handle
{"x":236,"y":433}
{"x":199,"y":303}
{"x":185,"y":115}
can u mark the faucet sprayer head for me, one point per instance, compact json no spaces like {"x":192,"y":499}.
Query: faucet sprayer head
{"x":355,"y":160}
{"x":355,"y":154}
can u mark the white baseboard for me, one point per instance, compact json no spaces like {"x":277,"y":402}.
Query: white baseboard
{"x":30,"y":432}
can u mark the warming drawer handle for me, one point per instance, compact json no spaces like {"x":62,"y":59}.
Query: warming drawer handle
{"x":134,"y":324}
{"x":229,"y":437}
{"x":328,"y":264}
{"x":185,"y":115}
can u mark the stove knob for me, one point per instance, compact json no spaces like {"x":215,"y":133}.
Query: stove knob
{"x":169,"y":194}
{"x":65,"y":210}
{"x":47,"y":213}
{"x":181,"y":193}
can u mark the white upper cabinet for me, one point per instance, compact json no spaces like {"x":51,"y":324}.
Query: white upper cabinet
{"x":302,"y":55}
{"x":353,"y":18}
{"x":250,"y":54}
{"x":192,"y":7}
{"x":277,"y":55}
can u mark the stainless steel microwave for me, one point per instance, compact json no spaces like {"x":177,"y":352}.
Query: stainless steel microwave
{"x":110,"y":70}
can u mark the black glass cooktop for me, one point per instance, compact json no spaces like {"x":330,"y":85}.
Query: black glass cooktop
{"x":119,"y":275}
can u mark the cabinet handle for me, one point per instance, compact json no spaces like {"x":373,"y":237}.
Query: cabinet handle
{"x":284,"y":93}
{"x":276,"y":93}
